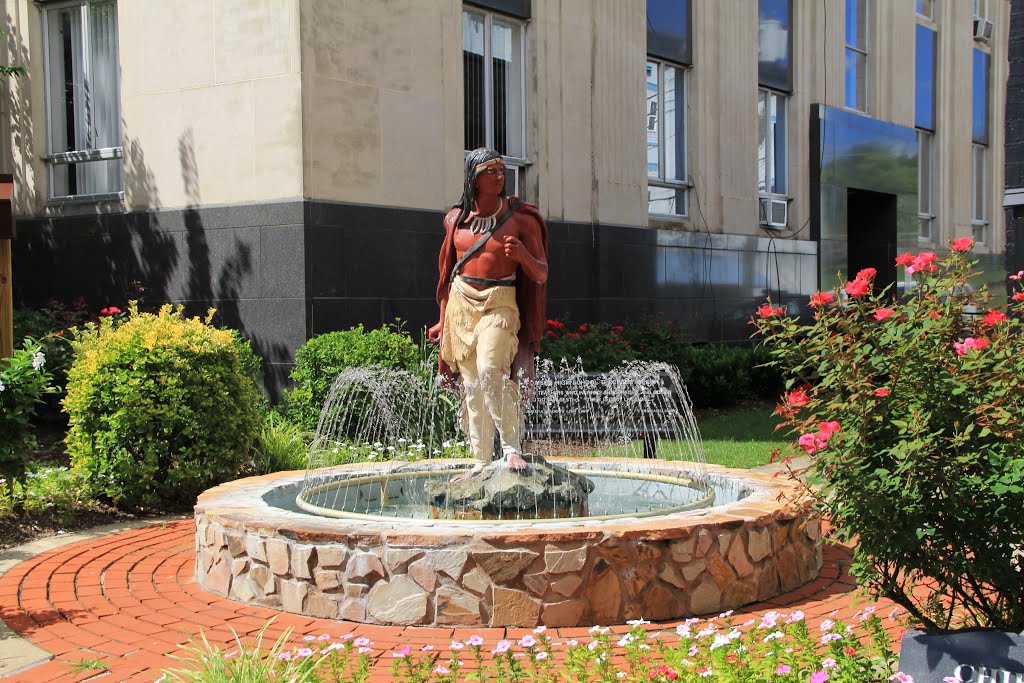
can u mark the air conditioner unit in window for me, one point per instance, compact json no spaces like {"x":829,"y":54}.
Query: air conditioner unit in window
{"x":774,"y":212}
{"x":983,"y":29}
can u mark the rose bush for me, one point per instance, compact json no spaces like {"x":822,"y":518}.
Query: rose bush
{"x":913,"y":411}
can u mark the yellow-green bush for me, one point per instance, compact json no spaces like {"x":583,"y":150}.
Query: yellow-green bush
{"x":160,"y":406}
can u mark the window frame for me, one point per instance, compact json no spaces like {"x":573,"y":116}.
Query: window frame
{"x":930,"y":16}
{"x":926,"y":175}
{"x":864,"y":51}
{"x":518,"y":164}
{"x":980,"y":224}
{"x":770,"y":158}
{"x":661,"y":180}
{"x":53,"y":158}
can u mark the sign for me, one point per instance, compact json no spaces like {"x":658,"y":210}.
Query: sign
{"x":970,"y":656}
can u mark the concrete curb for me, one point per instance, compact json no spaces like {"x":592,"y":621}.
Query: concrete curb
{"x":17,"y":653}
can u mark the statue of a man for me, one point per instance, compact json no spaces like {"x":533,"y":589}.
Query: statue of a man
{"x":492,"y":293}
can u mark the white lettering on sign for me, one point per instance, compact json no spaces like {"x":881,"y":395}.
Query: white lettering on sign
{"x":982,"y":674}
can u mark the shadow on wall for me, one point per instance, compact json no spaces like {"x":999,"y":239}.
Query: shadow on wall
{"x":106,"y":255}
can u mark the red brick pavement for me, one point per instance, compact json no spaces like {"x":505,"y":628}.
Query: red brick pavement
{"x":129,"y":600}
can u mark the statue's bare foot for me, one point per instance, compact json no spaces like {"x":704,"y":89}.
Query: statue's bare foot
{"x":516,"y":462}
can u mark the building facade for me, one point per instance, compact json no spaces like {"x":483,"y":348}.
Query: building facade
{"x":289,"y":161}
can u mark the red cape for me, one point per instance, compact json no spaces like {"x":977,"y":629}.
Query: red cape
{"x":531,"y":297}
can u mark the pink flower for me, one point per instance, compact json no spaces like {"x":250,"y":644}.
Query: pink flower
{"x":961,"y":244}
{"x":901,"y":677}
{"x":692,"y":652}
{"x":527,"y":641}
{"x":828,"y":663}
{"x":286,"y":655}
{"x":882,"y":392}
{"x":401,"y":653}
{"x":808,"y":443}
{"x":783,"y":669}
{"x":1019,"y":275}
{"x":441,"y":670}
{"x":502,"y":646}
{"x":821,"y":298}
{"x":365,"y":650}
{"x":362,"y":642}
{"x":993,"y":317}
{"x":426,"y":648}
{"x":542,"y":655}
{"x":829,"y":637}
{"x":304,"y":652}
{"x":857,"y":288}
{"x":456,"y":645}
{"x":475,"y":640}
{"x":904,"y":259}
{"x":827,"y":625}
{"x":952,"y":679}
{"x":797,"y":615}
{"x":883,"y":313}
{"x":819,"y":676}
{"x":767,"y":311}
{"x":922,"y":262}
{"x":970,"y":343}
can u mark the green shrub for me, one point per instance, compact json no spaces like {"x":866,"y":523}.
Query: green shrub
{"x":161,"y":407}
{"x":913,"y":411}
{"x":319,"y":361}
{"x":24,"y":382}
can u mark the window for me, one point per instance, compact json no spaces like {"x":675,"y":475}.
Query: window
{"x":668,"y":30}
{"x":666,"y":139}
{"x":979,"y":193}
{"x":774,"y":39}
{"x":979,"y":98}
{"x":926,"y":9}
{"x":856,"y":55}
{"x":83,"y":104}
{"x":771,"y":143}
{"x":492,"y":60}
{"x":924,"y":79}
{"x":981,"y":9}
{"x":925,"y":187}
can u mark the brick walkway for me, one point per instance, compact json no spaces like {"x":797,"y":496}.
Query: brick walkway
{"x":128,"y":599}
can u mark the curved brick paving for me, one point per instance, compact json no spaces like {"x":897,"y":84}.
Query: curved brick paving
{"x":129,"y":598}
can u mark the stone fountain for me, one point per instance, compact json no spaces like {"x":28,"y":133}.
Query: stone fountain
{"x":622,"y":520}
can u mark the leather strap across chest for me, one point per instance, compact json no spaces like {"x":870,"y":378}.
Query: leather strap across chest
{"x":483,"y":239}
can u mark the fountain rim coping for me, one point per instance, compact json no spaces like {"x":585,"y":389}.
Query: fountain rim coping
{"x":240,"y":505}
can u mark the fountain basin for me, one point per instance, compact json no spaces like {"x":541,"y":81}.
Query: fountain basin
{"x":566,"y":572}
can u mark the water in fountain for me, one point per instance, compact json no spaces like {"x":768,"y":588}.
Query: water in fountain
{"x":395,"y":430}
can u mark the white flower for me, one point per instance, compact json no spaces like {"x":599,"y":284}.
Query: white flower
{"x":720,"y":641}
{"x":2,"y":387}
{"x":637,"y":622}
{"x":38,"y":360}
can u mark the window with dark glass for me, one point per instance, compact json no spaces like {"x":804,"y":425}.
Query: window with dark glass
{"x":774,"y":43}
{"x":668,"y":30}
{"x":924,"y":78}
{"x":857,"y":55}
{"x":979,"y":97}
{"x":82,"y":99}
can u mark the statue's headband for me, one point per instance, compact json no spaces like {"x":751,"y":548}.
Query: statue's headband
{"x":489,"y":162}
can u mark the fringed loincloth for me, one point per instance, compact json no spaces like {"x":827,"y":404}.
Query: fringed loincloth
{"x":470,"y":311}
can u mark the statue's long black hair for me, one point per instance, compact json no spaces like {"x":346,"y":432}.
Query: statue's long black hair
{"x":468,"y":199}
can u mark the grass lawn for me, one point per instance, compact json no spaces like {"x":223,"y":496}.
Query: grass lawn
{"x":741,"y":439}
